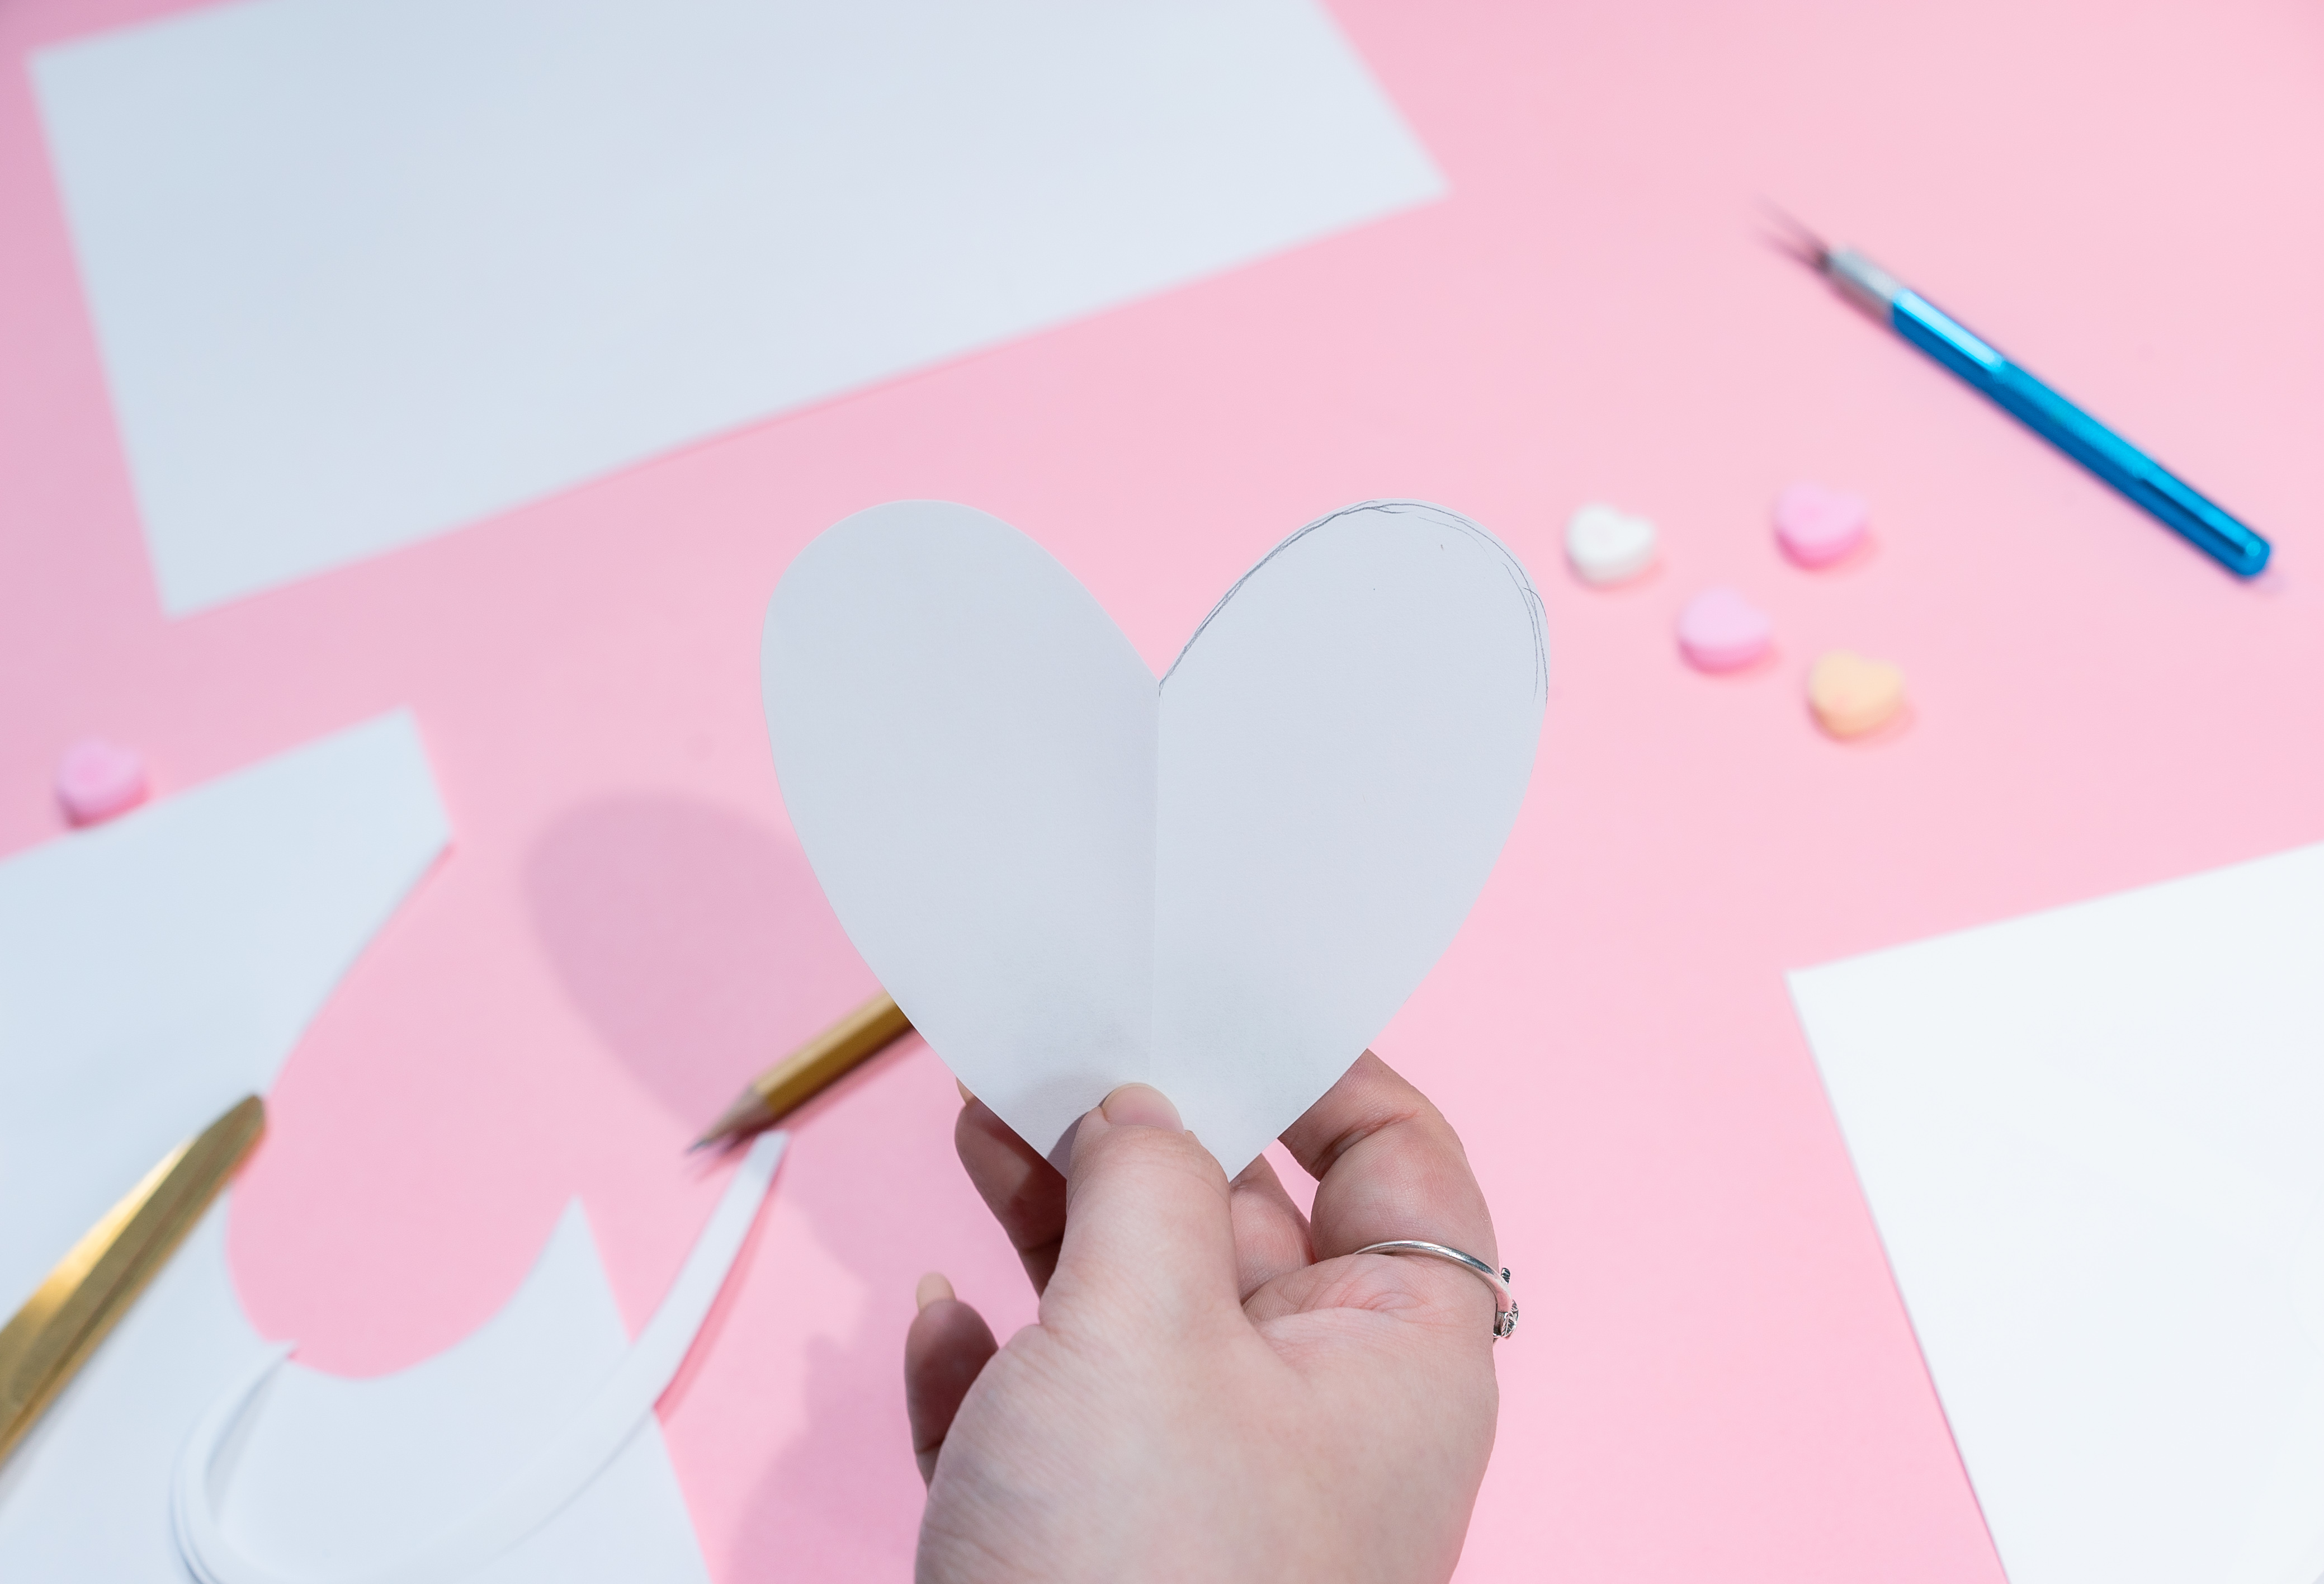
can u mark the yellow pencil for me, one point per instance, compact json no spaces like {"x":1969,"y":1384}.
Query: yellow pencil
{"x":807,"y":1071}
{"x":90,"y":1288}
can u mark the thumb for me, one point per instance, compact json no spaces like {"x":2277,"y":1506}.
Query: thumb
{"x":1148,"y":1246}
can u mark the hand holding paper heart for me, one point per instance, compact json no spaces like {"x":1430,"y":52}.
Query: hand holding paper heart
{"x":1225,"y":885}
{"x":1217,"y":1387}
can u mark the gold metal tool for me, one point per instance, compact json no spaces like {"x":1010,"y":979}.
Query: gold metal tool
{"x":91,"y":1287}
{"x":803,"y":1074}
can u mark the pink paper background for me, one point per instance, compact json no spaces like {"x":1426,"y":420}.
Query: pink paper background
{"x":1715,"y":1379}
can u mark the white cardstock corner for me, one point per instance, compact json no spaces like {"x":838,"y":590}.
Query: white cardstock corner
{"x":2089,"y":1138}
{"x":1071,"y":877}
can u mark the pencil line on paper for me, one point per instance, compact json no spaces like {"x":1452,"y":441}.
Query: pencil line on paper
{"x":1443,"y":516}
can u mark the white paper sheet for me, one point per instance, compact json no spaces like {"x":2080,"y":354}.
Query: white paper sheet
{"x":153,"y":972}
{"x":86,"y":1495}
{"x":366,"y":270}
{"x":2093,"y":1140}
{"x":1225,"y":886}
{"x":156,"y":969}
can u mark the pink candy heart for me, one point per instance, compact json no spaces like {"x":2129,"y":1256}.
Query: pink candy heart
{"x":1816,"y":526}
{"x":96,"y":780}
{"x":1719,"y":630}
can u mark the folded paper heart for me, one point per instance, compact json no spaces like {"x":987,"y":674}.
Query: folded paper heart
{"x":1607,"y":546}
{"x":1224,"y":884}
{"x":1817,"y":526}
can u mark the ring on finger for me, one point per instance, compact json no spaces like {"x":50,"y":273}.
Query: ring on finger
{"x":1504,"y":1303}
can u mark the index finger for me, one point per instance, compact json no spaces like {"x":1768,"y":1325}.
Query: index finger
{"x":1387,"y":1165}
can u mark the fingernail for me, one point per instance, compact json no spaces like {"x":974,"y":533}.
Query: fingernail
{"x":966,"y":1097}
{"x":933,"y":1289}
{"x":1137,"y":1105}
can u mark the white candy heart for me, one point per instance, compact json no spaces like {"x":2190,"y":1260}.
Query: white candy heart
{"x":1225,"y":885}
{"x":1609,"y":546}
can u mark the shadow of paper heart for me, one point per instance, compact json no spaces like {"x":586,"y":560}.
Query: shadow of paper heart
{"x":695,"y":940}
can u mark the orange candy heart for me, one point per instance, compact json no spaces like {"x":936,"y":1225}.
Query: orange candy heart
{"x":1851,"y":695}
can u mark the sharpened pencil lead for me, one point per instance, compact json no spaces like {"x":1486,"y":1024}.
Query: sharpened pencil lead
{"x":805,"y":1073}
{"x":1792,"y":237}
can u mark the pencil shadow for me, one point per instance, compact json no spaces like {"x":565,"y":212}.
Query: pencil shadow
{"x":694,"y":940}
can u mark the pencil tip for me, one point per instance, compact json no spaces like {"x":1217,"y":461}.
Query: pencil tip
{"x":1792,"y":238}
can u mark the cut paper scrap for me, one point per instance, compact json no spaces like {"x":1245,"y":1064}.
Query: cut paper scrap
{"x":461,"y":1461}
{"x":154,"y":970}
{"x":2089,"y":1139}
{"x":98,"y":1504}
{"x":315,"y":234}
{"x":175,"y":955}
{"x":1225,"y":885}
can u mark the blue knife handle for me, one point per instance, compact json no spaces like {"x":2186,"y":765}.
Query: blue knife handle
{"x":2144,"y":481}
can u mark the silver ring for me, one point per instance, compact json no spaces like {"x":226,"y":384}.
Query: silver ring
{"x":1504,"y":1305}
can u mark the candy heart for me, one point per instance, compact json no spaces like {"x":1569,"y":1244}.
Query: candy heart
{"x":1816,"y":526}
{"x":96,"y":780}
{"x":1851,"y":695}
{"x":1071,"y":877}
{"x":1607,"y":546}
{"x":1719,"y":630}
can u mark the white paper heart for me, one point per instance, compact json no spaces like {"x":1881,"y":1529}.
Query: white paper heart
{"x":1225,"y":886}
